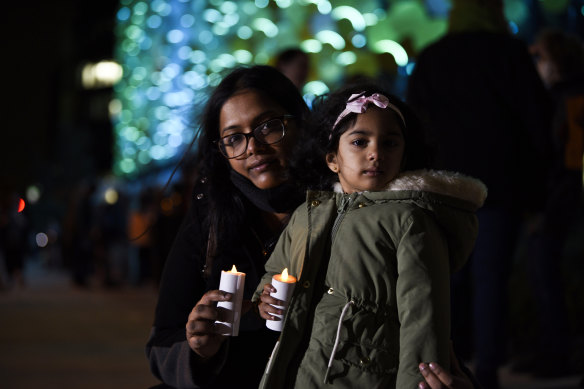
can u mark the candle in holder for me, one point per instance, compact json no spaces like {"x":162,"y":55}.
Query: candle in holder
{"x":232,"y":282}
{"x":284,"y":285}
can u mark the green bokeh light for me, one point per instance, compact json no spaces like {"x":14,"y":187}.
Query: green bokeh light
{"x":173,"y":52}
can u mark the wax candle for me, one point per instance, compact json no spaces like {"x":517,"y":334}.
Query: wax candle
{"x":232,"y":282}
{"x":284,"y":284}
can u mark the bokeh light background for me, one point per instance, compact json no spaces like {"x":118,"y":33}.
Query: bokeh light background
{"x":173,"y":52}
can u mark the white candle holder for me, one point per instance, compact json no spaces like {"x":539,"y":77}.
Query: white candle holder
{"x":231,"y":282}
{"x":284,"y":290}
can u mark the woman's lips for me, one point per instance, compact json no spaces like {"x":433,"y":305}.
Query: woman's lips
{"x":260,"y":166}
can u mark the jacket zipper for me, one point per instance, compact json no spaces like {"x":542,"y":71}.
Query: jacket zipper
{"x":346,"y":201}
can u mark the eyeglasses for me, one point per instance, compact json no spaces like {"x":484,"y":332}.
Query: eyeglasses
{"x":269,"y":132}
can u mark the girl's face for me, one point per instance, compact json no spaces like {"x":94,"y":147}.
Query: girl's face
{"x":264,"y":165}
{"x":370,"y":153}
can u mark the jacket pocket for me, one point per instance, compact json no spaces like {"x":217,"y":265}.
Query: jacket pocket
{"x":368,"y":342}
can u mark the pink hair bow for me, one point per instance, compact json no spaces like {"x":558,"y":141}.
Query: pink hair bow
{"x":358,"y":103}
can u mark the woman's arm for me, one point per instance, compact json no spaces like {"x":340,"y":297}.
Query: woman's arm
{"x":182,"y":291}
{"x":437,"y":378}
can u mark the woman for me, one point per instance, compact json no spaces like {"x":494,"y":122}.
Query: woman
{"x":240,"y":205}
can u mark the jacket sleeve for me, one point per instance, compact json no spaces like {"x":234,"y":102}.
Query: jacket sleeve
{"x":182,"y":285}
{"x":280,"y":258}
{"x":423,"y":299}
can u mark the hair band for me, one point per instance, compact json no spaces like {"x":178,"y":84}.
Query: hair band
{"x":358,"y":103}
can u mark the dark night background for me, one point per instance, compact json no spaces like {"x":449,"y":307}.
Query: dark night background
{"x":54,"y":134}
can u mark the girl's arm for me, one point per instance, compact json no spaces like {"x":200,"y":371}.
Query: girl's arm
{"x":280,"y":259}
{"x":423,"y":298}
{"x":265,"y":306}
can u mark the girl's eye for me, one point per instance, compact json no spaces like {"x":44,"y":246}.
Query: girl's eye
{"x":359,"y":142}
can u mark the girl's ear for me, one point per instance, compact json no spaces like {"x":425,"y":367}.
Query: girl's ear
{"x":331,"y":161}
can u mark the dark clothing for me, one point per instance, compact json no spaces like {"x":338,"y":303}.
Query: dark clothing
{"x":241,"y":360}
{"x":546,"y":245}
{"x":488,"y":113}
{"x":568,"y":128}
{"x":490,"y":269}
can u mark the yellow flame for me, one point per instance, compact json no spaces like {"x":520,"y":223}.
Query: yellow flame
{"x":285,"y":275}
{"x":233,"y":269}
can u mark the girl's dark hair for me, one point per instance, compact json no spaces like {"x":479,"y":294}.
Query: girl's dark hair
{"x":225,"y":200}
{"x":309,"y":165}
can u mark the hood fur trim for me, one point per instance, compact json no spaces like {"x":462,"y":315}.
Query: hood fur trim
{"x":443,"y":182}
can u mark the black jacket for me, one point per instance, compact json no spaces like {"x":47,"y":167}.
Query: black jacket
{"x":488,"y":113}
{"x":241,"y":360}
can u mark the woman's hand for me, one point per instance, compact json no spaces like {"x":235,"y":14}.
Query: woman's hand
{"x":201,"y":334}
{"x":438,"y":378}
{"x":265,"y":308}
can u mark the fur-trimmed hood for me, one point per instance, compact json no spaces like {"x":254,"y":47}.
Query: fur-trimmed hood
{"x":452,"y":197}
{"x":442,"y":182}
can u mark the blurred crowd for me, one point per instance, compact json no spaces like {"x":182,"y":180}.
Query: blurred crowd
{"x":109,"y":235}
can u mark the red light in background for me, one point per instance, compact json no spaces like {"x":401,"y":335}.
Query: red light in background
{"x":21,"y":205}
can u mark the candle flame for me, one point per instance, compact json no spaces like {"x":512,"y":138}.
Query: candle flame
{"x":285,"y":274}
{"x":233,"y":269}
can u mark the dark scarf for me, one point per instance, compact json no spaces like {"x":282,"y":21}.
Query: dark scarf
{"x":283,"y":198}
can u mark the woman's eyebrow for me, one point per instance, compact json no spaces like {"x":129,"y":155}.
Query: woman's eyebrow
{"x":229,"y":128}
{"x":267,"y":115}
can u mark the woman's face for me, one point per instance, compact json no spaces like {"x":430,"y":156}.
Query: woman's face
{"x":264,"y":165}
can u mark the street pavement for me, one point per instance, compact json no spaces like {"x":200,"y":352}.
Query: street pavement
{"x":53,"y":335}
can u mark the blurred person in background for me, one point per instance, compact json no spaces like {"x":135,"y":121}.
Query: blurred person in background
{"x":170,"y":212}
{"x":109,"y":240}
{"x":559,"y":59}
{"x":141,"y":237}
{"x":294,"y":64}
{"x":79,"y":234}
{"x":489,"y":114}
{"x":14,"y":231}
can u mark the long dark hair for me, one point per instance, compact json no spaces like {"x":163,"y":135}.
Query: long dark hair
{"x":308,"y":165}
{"x":225,"y":200}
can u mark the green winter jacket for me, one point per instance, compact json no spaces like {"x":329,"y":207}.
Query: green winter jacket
{"x":381,"y":305}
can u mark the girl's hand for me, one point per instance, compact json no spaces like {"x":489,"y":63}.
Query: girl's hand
{"x":438,"y":378}
{"x":201,"y":335}
{"x":265,"y":308}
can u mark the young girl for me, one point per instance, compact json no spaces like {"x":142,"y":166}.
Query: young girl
{"x":373,"y":257}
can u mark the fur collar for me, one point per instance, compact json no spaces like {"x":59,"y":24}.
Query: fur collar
{"x":442,"y":182}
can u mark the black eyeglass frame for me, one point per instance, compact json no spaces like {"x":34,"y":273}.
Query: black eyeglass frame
{"x":283,"y":119}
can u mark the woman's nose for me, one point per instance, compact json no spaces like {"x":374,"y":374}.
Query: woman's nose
{"x":253,"y":145}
